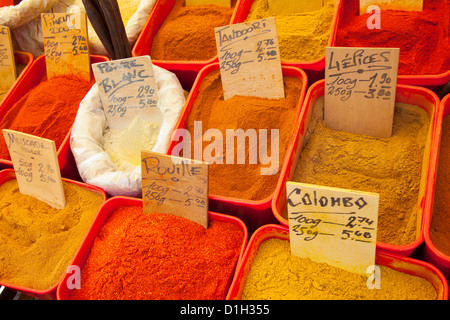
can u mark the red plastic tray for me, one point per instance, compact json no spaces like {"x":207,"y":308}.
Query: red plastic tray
{"x":431,"y":253}
{"x":4,"y":3}
{"x":422,"y":97}
{"x":32,"y":77}
{"x":253,"y":213}
{"x":63,"y":292}
{"x":9,"y":174}
{"x":314,"y":69}
{"x":432,"y":82}
{"x":393,"y":261}
{"x":185,"y":70}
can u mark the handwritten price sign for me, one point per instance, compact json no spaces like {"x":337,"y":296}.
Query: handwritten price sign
{"x":332,"y":225}
{"x":175,"y":185}
{"x":66,"y":44}
{"x":127,"y":89}
{"x":36,"y":165}
{"x":360,"y":86}
{"x":249,"y":59}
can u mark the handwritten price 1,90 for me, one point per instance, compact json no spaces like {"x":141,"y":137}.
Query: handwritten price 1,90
{"x":347,"y":234}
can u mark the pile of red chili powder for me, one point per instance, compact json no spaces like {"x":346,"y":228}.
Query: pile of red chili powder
{"x":47,"y":110}
{"x":423,"y":37}
{"x":159,"y":256}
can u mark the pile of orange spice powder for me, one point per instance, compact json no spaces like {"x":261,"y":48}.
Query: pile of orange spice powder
{"x":157,"y":256}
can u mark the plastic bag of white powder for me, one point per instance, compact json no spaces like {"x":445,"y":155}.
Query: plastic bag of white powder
{"x":111,"y":159}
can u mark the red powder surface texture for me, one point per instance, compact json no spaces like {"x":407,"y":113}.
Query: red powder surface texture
{"x":47,"y":110}
{"x":423,"y":37}
{"x":156,"y":256}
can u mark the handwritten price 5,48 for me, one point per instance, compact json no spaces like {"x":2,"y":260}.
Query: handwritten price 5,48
{"x":143,"y":103}
{"x":117,"y":109}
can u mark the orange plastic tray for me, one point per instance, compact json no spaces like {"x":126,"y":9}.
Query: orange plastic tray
{"x":393,"y":261}
{"x":422,"y":97}
{"x":9,"y":174}
{"x":253,"y":213}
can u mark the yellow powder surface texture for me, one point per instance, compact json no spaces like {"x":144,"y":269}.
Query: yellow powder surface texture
{"x":37,"y":242}
{"x":301,"y":36}
{"x":277,"y":275}
{"x":391,"y":167}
